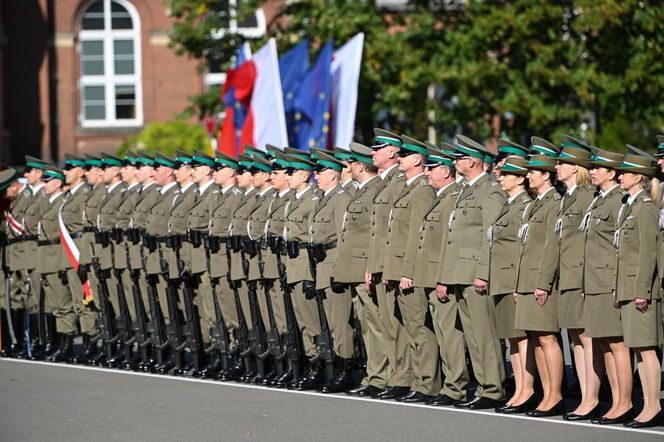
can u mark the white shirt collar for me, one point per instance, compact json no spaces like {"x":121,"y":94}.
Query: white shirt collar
{"x":458,"y":178}
{"x":132,"y":185}
{"x":603,"y":193}
{"x":476,"y":179}
{"x":346,"y":182}
{"x":539,"y":197}
{"x":571,"y":189}
{"x":328,"y":191}
{"x":364,"y":183}
{"x":512,"y":198}
{"x":631,"y":199}
{"x":384,"y":173}
{"x":299,"y":194}
{"x":76,"y":187}
{"x":36,"y":188}
{"x":283,"y":192}
{"x":186,"y":186}
{"x":54,"y":197}
{"x":145,"y":186}
{"x":246,"y":192}
{"x":263,"y":192}
{"x":409,"y":181}
{"x":227,"y":188}
{"x":113,"y":186}
{"x":442,"y":189}
{"x":165,"y":189}
{"x":203,"y":187}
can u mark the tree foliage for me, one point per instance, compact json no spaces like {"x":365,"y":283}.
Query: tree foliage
{"x":486,"y":68}
{"x":167,"y":137}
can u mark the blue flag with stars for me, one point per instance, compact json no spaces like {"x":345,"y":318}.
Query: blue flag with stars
{"x":312,"y":103}
{"x":293,"y":66}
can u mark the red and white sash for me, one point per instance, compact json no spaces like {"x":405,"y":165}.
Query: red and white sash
{"x":15,"y":226}
{"x":73,"y":254}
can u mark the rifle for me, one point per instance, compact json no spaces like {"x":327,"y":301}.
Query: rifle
{"x":138,"y":326}
{"x":272,"y":337}
{"x":173,"y":331}
{"x":155,"y":328}
{"x":255,"y":334}
{"x":218,"y":333}
{"x":105,"y":322}
{"x":291,"y":341}
{"x":324,"y":340}
{"x":7,"y":274}
{"x":192,"y":326}
{"x":241,"y":330}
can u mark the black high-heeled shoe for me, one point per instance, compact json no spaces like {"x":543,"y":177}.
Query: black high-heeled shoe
{"x":529,"y":405}
{"x":625,"y":417}
{"x":571,"y":416}
{"x":556,"y":410}
{"x":656,"y":420}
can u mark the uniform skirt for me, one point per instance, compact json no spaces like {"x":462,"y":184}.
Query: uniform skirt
{"x":505,"y":314}
{"x":531,"y":316}
{"x":570,"y":309}
{"x":601,"y":319}
{"x":641,"y":329}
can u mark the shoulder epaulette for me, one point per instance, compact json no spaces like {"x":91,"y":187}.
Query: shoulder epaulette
{"x":215,"y":191}
{"x":557,"y":197}
{"x":647,"y":199}
{"x":341,"y":190}
{"x":424,"y":183}
{"x":85,"y":190}
{"x":236,"y":191}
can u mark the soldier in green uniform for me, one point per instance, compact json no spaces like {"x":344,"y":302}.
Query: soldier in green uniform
{"x":502,"y":282}
{"x":660,"y":205}
{"x":466,"y":274}
{"x":536,"y":301}
{"x":385,"y":156}
{"x":347,"y":183}
{"x":640,"y":306}
{"x":415,"y":337}
{"x":10,"y":189}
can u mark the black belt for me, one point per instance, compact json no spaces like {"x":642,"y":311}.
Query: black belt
{"x":88,"y":229}
{"x":331,"y":245}
{"x":11,"y":241}
{"x":48,"y":242}
{"x":77,"y":234}
{"x":30,"y":238}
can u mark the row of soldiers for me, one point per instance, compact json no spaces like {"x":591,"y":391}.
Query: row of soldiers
{"x":248,"y":269}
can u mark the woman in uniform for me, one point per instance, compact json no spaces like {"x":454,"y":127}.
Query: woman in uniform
{"x":536,"y":303}
{"x":502,"y":271}
{"x":636,"y":292}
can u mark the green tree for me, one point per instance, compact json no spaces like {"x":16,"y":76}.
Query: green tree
{"x":168,"y":136}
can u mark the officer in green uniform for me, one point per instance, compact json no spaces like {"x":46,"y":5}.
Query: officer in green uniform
{"x":49,"y":265}
{"x":413,"y":333}
{"x":385,"y":156}
{"x":660,"y":205}
{"x":347,"y":183}
{"x":466,"y":274}
{"x":10,"y":189}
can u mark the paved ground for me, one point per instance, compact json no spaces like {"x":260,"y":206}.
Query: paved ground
{"x":40,"y":401}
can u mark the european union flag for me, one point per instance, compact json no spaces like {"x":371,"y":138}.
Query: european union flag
{"x":293,"y":66}
{"x":312,"y":103}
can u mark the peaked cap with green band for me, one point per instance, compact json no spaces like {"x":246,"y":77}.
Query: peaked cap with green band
{"x":92,"y":161}
{"x":639,"y":162}
{"x":437,"y":157}
{"x":606,"y":159}
{"x":314,"y":151}
{"x":574,"y":155}
{"x":252,"y":152}
{"x":361,"y":153}
{"x":660,"y":146}
{"x":299,"y":163}
{"x":515,"y":165}
{"x":327,"y":161}
{"x":541,"y":146}
{"x":34,"y":163}
{"x":52,"y":172}
{"x":280,"y":162}
{"x":270,"y":150}
{"x":569,"y":141}
{"x":297,"y":153}
{"x":108,"y":160}
{"x":261,"y":164}
{"x":342,"y":154}
{"x":200,"y":158}
{"x":72,"y":160}
{"x":131,"y":158}
{"x":542,"y":162}
{"x":413,"y":146}
{"x":183,"y":158}
{"x":222,"y":160}
{"x":466,"y":147}
{"x":508,"y":147}
{"x":245,"y":162}
{"x":384,"y":138}
{"x":633,"y":150}
{"x":144,"y":159}
{"x":489,"y":157}
{"x":162,"y":160}
{"x":447,"y":148}
{"x":7,"y":177}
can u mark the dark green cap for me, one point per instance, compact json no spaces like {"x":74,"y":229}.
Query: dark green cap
{"x":280,"y":162}
{"x":660,"y":146}
{"x":541,"y":146}
{"x":574,"y":155}
{"x":72,"y":161}
{"x":437,"y":158}
{"x":384,"y":138}
{"x":297,"y":153}
{"x":200,"y":158}
{"x":488,"y":157}
{"x":411,"y":145}
{"x":327,"y":161}
{"x":515,"y":165}
{"x":261,"y":164}
{"x":131,"y":158}
{"x":466,"y":147}
{"x":253,"y":152}
{"x":297,"y":163}
{"x":342,"y":154}
{"x":448,"y":149}
{"x":7,"y":177}
{"x":34,"y":163}
{"x":92,"y":161}
{"x":108,"y":160}
{"x":542,"y":162}
{"x":144,"y":159}
{"x":508,"y":147}
{"x":361,"y":153}
{"x":245,"y":162}
{"x":569,"y":141}
{"x":270,"y":150}
{"x":313,"y":153}
{"x":183,"y":158}
{"x":605,"y":158}
{"x":222,"y":160}
{"x":52,"y":172}
{"x":637,"y":161}
{"x":162,"y":160}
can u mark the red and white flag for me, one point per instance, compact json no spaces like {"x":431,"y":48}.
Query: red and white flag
{"x":73,"y":254}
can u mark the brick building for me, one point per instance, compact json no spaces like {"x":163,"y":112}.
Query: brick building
{"x":82,"y":75}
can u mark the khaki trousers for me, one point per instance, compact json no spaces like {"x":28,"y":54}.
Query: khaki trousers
{"x":396,"y":337}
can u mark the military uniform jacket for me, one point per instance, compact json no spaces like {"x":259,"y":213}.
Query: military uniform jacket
{"x":49,"y":257}
{"x":350,"y":187}
{"x":122,"y":221}
{"x":225,"y":204}
{"x":406,"y":217}
{"x":388,"y":191}
{"x":72,"y":216}
{"x":147,"y":198}
{"x":108,"y":216}
{"x":276,"y":221}
{"x":199,"y":219}
{"x":157,"y":226}
{"x":637,"y":232}
{"x":572,"y":210}
{"x":326,"y":224}
{"x":447,"y":206}
{"x":467,"y":249}
{"x":239,"y":227}
{"x":256,"y":230}
{"x":599,"y":270}
{"x":660,"y":252}
{"x":33,"y":215}
{"x":298,"y":218}
{"x":16,"y":256}
{"x":353,"y":247}
{"x":538,"y":254}
{"x":92,"y":209}
{"x":423,"y":255}
{"x":505,"y":245}
{"x":178,"y":223}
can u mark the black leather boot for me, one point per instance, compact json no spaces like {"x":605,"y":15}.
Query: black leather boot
{"x":6,"y":339}
{"x":51,"y":334}
{"x":342,"y":381}
{"x":66,"y":350}
{"x":233,"y":373}
{"x":56,"y":351}
{"x":213,"y":367}
{"x":84,"y":353}
{"x":18,"y":350}
{"x":312,"y":379}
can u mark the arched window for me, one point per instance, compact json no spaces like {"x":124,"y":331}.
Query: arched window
{"x":110,"y":56}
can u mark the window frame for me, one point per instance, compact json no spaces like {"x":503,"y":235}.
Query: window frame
{"x":109,"y":80}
